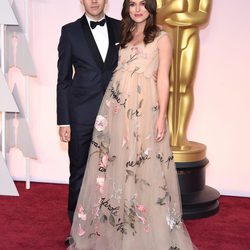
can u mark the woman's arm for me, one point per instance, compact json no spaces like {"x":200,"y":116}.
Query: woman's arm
{"x":165,"y":59}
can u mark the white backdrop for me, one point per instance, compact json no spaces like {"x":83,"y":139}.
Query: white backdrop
{"x":221,"y":118}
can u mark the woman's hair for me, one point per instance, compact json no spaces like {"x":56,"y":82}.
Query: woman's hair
{"x":151,"y":30}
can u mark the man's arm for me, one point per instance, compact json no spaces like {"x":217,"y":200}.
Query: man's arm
{"x":64,"y":78}
{"x":63,"y":84}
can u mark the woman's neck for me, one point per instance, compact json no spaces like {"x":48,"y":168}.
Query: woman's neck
{"x":139,"y":28}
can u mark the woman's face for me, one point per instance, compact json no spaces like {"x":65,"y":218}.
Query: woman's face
{"x":137,"y":11}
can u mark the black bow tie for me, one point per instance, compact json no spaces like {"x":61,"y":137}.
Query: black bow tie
{"x":93,"y":24}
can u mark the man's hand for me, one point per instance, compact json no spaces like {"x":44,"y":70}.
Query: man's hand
{"x":64,"y":133}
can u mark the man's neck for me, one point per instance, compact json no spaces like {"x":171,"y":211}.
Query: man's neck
{"x":95,"y":18}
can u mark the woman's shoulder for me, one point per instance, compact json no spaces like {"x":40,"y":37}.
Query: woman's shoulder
{"x":161,"y":33}
{"x":163,"y":39}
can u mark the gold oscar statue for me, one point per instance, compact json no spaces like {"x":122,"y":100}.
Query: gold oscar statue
{"x":182,"y":20}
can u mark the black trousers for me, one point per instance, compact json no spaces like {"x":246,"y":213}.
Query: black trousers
{"x":81,"y":136}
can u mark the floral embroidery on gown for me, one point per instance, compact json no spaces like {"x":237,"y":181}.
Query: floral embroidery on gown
{"x":129,"y":198}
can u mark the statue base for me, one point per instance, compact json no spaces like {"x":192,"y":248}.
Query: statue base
{"x":190,"y":152}
{"x":198,"y":200}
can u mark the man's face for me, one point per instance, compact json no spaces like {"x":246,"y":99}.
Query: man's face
{"x":94,"y":8}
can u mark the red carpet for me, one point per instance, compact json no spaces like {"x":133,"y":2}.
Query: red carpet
{"x":38,"y":220}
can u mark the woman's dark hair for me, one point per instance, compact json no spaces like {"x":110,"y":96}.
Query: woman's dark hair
{"x":151,"y":30}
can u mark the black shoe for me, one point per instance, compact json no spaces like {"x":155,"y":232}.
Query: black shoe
{"x":68,"y":241}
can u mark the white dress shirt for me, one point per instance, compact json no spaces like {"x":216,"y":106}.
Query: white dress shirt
{"x":100,"y":34}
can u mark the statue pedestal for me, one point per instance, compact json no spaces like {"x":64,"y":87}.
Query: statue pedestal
{"x":198,"y":200}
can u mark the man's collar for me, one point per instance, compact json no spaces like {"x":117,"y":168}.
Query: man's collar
{"x":91,"y":19}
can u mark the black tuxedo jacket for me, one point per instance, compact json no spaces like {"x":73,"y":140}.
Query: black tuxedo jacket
{"x":82,"y":74}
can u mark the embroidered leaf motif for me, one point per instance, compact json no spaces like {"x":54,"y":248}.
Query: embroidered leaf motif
{"x":136,"y":136}
{"x":121,"y":228}
{"x":135,"y":69}
{"x":140,"y":104}
{"x":129,"y":114}
{"x":93,"y":234}
{"x":93,"y":153}
{"x":104,"y":147}
{"x":139,"y":89}
{"x":132,"y":214}
{"x":111,"y":220}
{"x":145,"y":182}
{"x":111,"y":159}
{"x":103,"y":218}
{"x":90,"y":235}
{"x":174,"y":248}
{"x":126,"y":178}
{"x":164,"y":188}
{"x":136,"y":179}
{"x":155,"y":108}
{"x":161,"y":202}
{"x":129,"y":172}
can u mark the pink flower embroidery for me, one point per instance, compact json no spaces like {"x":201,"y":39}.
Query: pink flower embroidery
{"x":142,"y":219}
{"x":146,"y":152}
{"x":116,"y":108}
{"x":81,"y":209}
{"x":144,"y":222}
{"x":81,"y":214}
{"x":100,"y":123}
{"x":141,"y":208}
{"x":108,"y":103}
{"x":100,"y":182}
{"x":81,"y":231}
{"x":124,"y":141}
{"x":97,"y":211}
{"x":137,"y":50}
{"x":104,"y":161}
{"x":146,"y":228}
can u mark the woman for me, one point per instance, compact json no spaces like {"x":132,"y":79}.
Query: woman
{"x":130,"y":196}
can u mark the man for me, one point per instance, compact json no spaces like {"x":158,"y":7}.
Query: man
{"x":88,"y":54}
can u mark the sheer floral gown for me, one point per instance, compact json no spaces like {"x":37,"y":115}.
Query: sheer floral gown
{"x":130,"y":198}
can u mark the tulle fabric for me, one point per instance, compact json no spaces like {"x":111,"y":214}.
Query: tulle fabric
{"x":130,"y":198}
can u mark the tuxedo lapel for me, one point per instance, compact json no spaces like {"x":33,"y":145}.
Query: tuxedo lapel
{"x":111,"y":48}
{"x":91,"y":42}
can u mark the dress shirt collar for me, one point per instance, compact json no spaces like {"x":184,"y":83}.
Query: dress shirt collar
{"x":91,"y":19}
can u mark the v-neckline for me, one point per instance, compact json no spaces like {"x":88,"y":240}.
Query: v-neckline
{"x":135,"y":45}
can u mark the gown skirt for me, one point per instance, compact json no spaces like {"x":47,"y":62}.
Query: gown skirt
{"x":130,"y":199}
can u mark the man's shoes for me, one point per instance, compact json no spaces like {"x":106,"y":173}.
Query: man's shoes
{"x":68,"y":241}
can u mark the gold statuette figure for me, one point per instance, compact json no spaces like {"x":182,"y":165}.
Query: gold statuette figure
{"x":182,"y":19}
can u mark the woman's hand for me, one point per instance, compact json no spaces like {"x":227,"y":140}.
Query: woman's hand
{"x":160,"y":129}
